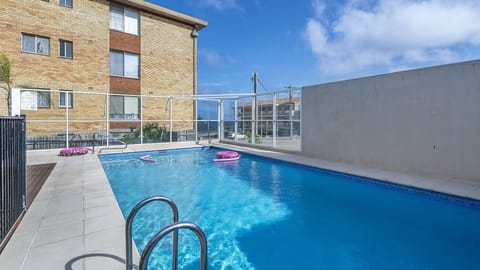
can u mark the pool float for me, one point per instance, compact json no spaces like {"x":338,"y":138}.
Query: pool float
{"x":74,"y":151}
{"x":224,"y":156}
{"x":147,"y":158}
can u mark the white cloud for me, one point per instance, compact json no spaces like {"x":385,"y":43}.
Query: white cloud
{"x":214,"y":59}
{"x":391,"y":33}
{"x":220,"y":4}
{"x":318,"y":7}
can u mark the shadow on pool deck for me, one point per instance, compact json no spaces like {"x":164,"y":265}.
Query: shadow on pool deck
{"x":81,"y":258}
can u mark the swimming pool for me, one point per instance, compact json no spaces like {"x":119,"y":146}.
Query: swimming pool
{"x":267,"y":214}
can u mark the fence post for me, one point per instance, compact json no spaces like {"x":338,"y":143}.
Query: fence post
{"x":141,"y":119}
{"x":274,"y":118}
{"x":66,"y":110}
{"x":171,"y":116}
{"x":107,"y":117}
{"x":196,"y":119}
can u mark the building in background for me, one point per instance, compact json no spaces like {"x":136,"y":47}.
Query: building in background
{"x":287,"y":117}
{"x":86,"y":66}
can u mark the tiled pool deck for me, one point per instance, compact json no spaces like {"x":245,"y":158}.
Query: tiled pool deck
{"x":75,"y":221}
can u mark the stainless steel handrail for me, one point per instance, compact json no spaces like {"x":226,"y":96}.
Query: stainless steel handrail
{"x":128,"y":230}
{"x":175,"y":227}
{"x":124,"y":144}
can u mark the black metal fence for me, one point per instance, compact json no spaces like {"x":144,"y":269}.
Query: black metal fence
{"x":13,"y":174}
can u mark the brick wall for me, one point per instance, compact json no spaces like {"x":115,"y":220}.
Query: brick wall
{"x":166,"y":51}
{"x":86,"y":25}
{"x":3,"y":103}
{"x":167,"y":66}
{"x":124,"y":42}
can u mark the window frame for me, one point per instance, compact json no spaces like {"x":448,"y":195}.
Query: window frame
{"x":124,"y":103}
{"x":124,"y":67}
{"x":65,"y":3}
{"x":48,"y":94}
{"x":125,"y":10}
{"x":65,"y":42}
{"x":36,"y":43}
{"x":70,"y":97}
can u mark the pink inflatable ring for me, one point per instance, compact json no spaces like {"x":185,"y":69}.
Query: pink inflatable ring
{"x":74,"y":151}
{"x":224,"y":156}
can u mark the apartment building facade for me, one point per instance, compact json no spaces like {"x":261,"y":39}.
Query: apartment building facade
{"x":98,"y":62}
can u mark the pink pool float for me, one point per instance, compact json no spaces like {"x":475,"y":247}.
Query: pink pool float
{"x":225,"y":156}
{"x":147,"y":158}
{"x":74,"y":151}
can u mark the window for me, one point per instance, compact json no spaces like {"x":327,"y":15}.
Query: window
{"x":65,"y":49}
{"x":67,"y":3}
{"x":124,"y":19}
{"x":63,"y":100}
{"x":35,"y":44}
{"x":31,"y":99}
{"x":43,"y":99}
{"x":124,"y":64}
{"x":124,"y":107}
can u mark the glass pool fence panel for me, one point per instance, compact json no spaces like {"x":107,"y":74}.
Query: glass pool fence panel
{"x":155,"y":115}
{"x":288,"y":120}
{"x":276,"y":126}
{"x":240,"y":128}
{"x":72,"y":118}
{"x":207,"y":119}
{"x":62,"y":118}
{"x":183,"y":131}
{"x":124,"y":118}
{"x":265,"y":116}
{"x":87,"y":118}
{"x":153,"y":132}
{"x":183,"y":118}
{"x":228,"y":119}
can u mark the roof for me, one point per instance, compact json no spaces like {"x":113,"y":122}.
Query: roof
{"x":163,"y":12}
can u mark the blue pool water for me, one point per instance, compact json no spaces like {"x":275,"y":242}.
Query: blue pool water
{"x":265,"y":214}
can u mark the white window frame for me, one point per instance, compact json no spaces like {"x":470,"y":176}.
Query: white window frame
{"x":65,"y":3}
{"x":125,"y":104}
{"x":126,"y":18}
{"x":124,"y":68}
{"x":40,"y":92}
{"x":70,"y":99}
{"x":60,"y":41}
{"x":36,"y":44}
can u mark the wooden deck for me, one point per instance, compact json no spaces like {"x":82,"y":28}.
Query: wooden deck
{"x":36,"y":176}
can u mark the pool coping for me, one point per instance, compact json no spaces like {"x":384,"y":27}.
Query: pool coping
{"x":76,"y":223}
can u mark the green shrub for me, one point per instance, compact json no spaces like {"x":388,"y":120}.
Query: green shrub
{"x":152,"y":133}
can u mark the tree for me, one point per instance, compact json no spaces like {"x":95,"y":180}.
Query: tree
{"x":5,"y":78}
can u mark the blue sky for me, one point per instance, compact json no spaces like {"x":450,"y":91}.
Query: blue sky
{"x":307,"y":42}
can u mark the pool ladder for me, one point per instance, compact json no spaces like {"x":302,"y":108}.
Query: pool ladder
{"x":175,"y":226}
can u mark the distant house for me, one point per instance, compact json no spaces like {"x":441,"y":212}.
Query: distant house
{"x":288,"y":114}
{"x":101,"y":59}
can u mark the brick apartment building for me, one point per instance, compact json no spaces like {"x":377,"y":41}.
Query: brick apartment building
{"x":119,"y":51}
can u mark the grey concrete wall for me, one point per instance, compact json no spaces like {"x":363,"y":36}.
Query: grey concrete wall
{"x":424,"y":121}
